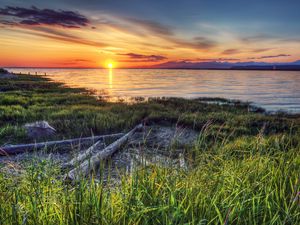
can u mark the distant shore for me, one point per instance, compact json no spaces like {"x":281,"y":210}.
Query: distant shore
{"x":258,"y":68}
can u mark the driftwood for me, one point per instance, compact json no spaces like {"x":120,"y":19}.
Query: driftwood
{"x":99,"y":145}
{"x":15,"y":149}
{"x":89,"y":164}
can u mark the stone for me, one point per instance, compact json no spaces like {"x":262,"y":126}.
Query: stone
{"x":5,"y":74}
{"x":39,"y":129}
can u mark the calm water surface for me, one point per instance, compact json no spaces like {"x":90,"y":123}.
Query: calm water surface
{"x":273,"y":90}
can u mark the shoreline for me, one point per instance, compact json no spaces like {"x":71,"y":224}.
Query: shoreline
{"x":214,"y":104}
{"x":253,"y":107}
{"x":117,"y":85}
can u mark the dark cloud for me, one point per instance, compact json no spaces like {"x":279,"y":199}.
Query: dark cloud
{"x":36,"y":16}
{"x":270,"y":56}
{"x":204,"y":43}
{"x":231,"y":51}
{"x":82,"y":60}
{"x":75,"y":62}
{"x":210,"y":59}
{"x":153,"y":26}
{"x":297,"y":40}
{"x":75,"y":40}
{"x":59,"y":35}
{"x":133,"y":57}
{"x":167,"y":34}
{"x":258,"y":50}
{"x":256,"y":38}
{"x":199,"y":43}
{"x":7,"y":22}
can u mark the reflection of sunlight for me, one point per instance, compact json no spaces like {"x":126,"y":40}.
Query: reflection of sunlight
{"x":110,"y":77}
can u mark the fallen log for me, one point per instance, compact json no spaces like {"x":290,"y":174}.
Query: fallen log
{"x":89,"y":164}
{"x":15,"y":149}
{"x":86,"y":154}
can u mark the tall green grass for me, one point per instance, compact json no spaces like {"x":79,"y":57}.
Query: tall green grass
{"x":246,"y":181}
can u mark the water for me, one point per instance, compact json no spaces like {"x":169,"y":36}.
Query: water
{"x":272,"y":90}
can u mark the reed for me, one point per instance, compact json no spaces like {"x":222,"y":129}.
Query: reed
{"x":248,"y":181}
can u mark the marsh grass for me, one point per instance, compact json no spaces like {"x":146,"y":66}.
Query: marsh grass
{"x":248,"y":181}
{"x":74,"y":112}
{"x":244,"y":167}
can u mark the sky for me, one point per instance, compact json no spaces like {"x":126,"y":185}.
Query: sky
{"x":139,"y":33}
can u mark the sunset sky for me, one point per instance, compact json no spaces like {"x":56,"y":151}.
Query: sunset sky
{"x":137,"y":33}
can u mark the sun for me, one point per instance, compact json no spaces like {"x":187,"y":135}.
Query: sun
{"x":110,"y":65}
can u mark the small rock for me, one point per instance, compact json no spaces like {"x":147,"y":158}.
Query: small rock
{"x":5,"y":74}
{"x":39,"y":129}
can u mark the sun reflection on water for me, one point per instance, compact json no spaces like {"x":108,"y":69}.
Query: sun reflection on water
{"x":110,"y":77}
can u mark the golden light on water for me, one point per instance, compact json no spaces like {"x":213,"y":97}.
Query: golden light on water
{"x":110,"y":65}
{"x":110,"y":77}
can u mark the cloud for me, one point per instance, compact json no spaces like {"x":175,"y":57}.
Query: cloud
{"x":231,"y":51}
{"x":60,"y":35}
{"x":153,"y":26}
{"x":204,"y":43}
{"x":133,"y":57}
{"x":82,"y":60}
{"x":289,"y":40}
{"x":167,"y":33}
{"x":198,"y":43}
{"x":210,"y":59}
{"x":258,"y":50}
{"x":34,"y":16}
{"x":274,"y":56}
{"x":7,"y":22}
{"x":47,"y":23}
{"x":256,"y":38}
{"x":76,"y":62}
{"x":270,"y":56}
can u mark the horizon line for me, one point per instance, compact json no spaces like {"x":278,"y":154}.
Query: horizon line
{"x":171,"y":68}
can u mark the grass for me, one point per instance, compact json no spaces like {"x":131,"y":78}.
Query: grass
{"x":245,"y":165}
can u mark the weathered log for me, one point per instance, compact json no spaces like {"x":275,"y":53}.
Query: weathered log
{"x":15,"y":149}
{"x":99,"y":145}
{"x":89,"y":164}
